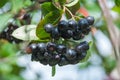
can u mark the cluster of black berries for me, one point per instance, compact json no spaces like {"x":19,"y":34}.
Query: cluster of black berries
{"x":52,"y":53}
{"x":6,"y":34}
{"x":70,"y":29}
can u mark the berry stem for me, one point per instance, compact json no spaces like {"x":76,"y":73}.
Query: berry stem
{"x":53,"y":71}
{"x":65,"y":8}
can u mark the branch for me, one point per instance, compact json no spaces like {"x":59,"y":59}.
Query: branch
{"x":112,"y":29}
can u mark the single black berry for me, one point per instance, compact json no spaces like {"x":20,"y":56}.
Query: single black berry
{"x":70,"y":54}
{"x":90,"y":20}
{"x":41,"y":47}
{"x":48,"y":28}
{"x":44,"y":61}
{"x":67,"y":34}
{"x":55,"y":34}
{"x":77,"y":35}
{"x":63,"y":61}
{"x":72,"y":24}
{"x":82,"y":47}
{"x":83,"y":24}
{"x":47,"y":55}
{"x":62,"y":25}
{"x":51,"y":46}
{"x":86,"y":31}
{"x":81,"y":56}
{"x":54,"y":60}
{"x":61,"y":49}
{"x":33,"y":47}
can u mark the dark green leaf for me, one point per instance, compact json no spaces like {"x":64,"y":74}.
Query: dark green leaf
{"x":52,"y":17}
{"x":116,"y":9}
{"x":117,"y":2}
{"x":7,"y":49}
{"x":2,"y":2}
{"x":47,"y":7}
{"x":62,"y":2}
{"x":4,"y":20}
{"x":17,"y":5}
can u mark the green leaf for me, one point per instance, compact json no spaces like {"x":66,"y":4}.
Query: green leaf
{"x":26,"y":33}
{"x":17,"y":5}
{"x":117,"y":2}
{"x":116,"y":9}
{"x":53,"y":71}
{"x":4,"y":20}
{"x":52,"y":17}
{"x":47,"y":7}
{"x":62,"y":2}
{"x":72,"y":3}
{"x":7,"y":49}
{"x":3,"y":2}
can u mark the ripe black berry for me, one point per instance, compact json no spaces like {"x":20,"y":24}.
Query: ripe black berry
{"x":6,"y":34}
{"x":81,"y":56}
{"x":51,"y":46}
{"x":63,"y":61}
{"x":86,"y":31}
{"x":61,"y":49}
{"x":62,"y":25}
{"x":44,"y":61}
{"x":83,"y":24}
{"x":47,"y":55}
{"x":55,"y":34}
{"x":33,"y":47}
{"x":54,"y":60}
{"x":67,"y":34}
{"x":90,"y":20}
{"x":48,"y":28}
{"x":70,"y":54}
{"x":72,"y":24}
{"x":41,"y":47}
{"x":82,"y":47}
{"x":77,"y":35}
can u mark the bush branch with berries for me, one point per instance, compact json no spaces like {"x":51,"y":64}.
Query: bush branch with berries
{"x":58,"y":37}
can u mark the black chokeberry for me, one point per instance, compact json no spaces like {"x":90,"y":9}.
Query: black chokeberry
{"x":90,"y":20}
{"x":62,"y":25}
{"x":77,"y":35}
{"x":54,"y":60}
{"x":6,"y":34}
{"x":83,"y":24}
{"x":82,"y":47}
{"x":33,"y":47}
{"x":81,"y":56}
{"x":85,"y":45}
{"x":67,"y":34}
{"x":86,"y":31}
{"x":61,"y":49}
{"x":63,"y":61}
{"x":47,"y":55}
{"x":51,"y":46}
{"x":48,"y":28}
{"x":72,"y":24}
{"x":55,"y":33}
{"x":71,"y":54}
{"x":41,"y":47}
{"x":44,"y":61}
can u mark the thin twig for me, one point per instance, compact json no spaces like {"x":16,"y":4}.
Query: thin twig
{"x":112,"y":29}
